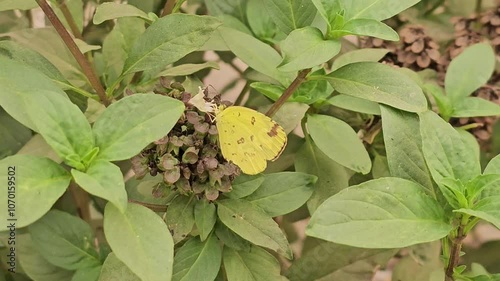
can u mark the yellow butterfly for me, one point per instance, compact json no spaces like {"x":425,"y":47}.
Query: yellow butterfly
{"x":248,"y":138}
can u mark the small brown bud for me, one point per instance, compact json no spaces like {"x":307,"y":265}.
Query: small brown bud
{"x":190,"y":156}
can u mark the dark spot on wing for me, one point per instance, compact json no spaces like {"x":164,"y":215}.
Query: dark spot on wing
{"x":274,"y":130}
{"x":251,"y":138}
{"x":240,"y":141}
{"x":253,"y":120}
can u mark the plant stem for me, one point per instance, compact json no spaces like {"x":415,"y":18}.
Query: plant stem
{"x":433,"y":8}
{"x":73,"y":48}
{"x":69,"y":19}
{"x":456,"y":247}
{"x":167,"y":9}
{"x":288,"y":92}
{"x":479,"y":4}
{"x":240,"y":97}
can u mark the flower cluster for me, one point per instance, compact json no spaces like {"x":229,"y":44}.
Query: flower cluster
{"x":188,"y":157}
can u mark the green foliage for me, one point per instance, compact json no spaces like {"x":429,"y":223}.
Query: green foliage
{"x":368,"y":167}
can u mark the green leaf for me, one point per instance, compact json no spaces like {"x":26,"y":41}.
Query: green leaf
{"x":169,"y":39}
{"x":281,"y":193}
{"x":493,"y":166}
{"x":198,"y":261}
{"x":366,"y":27}
{"x":355,"y":104}
{"x":290,"y":14}
{"x":470,"y":142}
{"x":35,"y":265}
{"x":339,"y":142}
{"x":445,"y":152}
{"x":6,"y":5}
{"x":205,"y":217}
{"x":16,"y":91}
{"x":260,"y":21}
{"x":38,"y":183}
{"x":105,"y":180}
{"x":64,"y":240}
{"x":37,"y":146}
{"x":255,"y":54}
{"x":289,"y":115}
{"x":18,"y":52}
{"x":442,"y":101}
{"x":49,"y":44}
{"x":381,"y":213}
{"x":453,"y":192}
{"x":87,"y":274}
{"x":488,"y":184}
{"x":472,"y":107}
{"x":332,"y":177}
{"x":253,"y":224}
{"x":487,"y":209}
{"x":376,"y":82}
{"x":254,"y":265}
{"x":133,"y":122}
{"x":62,"y":125}
{"x":361,"y":55}
{"x":325,"y":260}
{"x":479,"y":60}
{"x":305,"y":48}
{"x":245,"y":185}
{"x":422,"y":263}
{"x":111,"y":10}
{"x":235,"y":8}
{"x":231,"y":239}
{"x":188,"y":69}
{"x":14,"y":135}
{"x":380,"y":167}
{"x":114,"y":269}
{"x":374,"y":9}
{"x":141,"y":240}
{"x":403,"y":146}
{"x":180,"y":217}
{"x":117,"y":45}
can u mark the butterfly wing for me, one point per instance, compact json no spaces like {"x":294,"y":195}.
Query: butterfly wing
{"x":249,"y":138}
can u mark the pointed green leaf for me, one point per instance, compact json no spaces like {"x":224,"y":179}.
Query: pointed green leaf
{"x":473,"y":106}
{"x":445,"y":152}
{"x":366,"y":54}
{"x":38,"y":183}
{"x":111,"y":10}
{"x":375,"y":82}
{"x":254,"y":265}
{"x":133,"y":122}
{"x":487,"y":209}
{"x":188,"y":69}
{"x":255,"y":54}
{"x":479,"y":60}
{"x":169,"y":39}
{"x":290,"y":14}
{"x":244,"y":185}
{"x":339,"y":142}
{"x":332,"y":177}
{"x":367,"y":27}
{"x":198,"y":261}
{"x":231,"y":239}
{"x":114,"y":269}
{"x":205,"y":217}
{"x":404,"y":147}
{"x":493,"y":166}
{"x":305,"y":48}
{"x":141,"y":240}
{"x":35,"y":265}
{"x":105,"y":180}
{"x":381,"y":213}
{"x":14,"y":135}
{"x":355,"y":104}
{"x":282,"y":193}
{"x":323,"y":260}
{"x":65,"y":240}
{"x":6,"y":5}
{"x":180,"y":217}
{"x":253,"y":224}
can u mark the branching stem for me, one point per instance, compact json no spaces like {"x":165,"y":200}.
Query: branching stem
{"x":456,"y":247}
{"x":73,"y":48}
{"x":301,"y":77}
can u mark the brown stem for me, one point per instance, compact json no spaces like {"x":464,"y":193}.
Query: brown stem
{"x":153,"y":207}
{"x":73,"y":48}
{"x":81,"y":199}
{"x":69,"y":19}
{"x":167,"y":9}
{"x":288,"y":92}
{"x":479,"y":5}
{"x":456,"y":247}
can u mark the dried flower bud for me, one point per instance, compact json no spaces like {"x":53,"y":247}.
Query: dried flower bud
{"x":193,"y":117}
{"x":168,"y":162}
{"x":198,"y":187}
{"x":201,"y":128}
{"x":183,"y":185}
{"x":172,"y":176}
{"x":210,"y":163}
{"x":211,"y":193}
{"x":139,"y":166}
{"x":190,"y":156}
